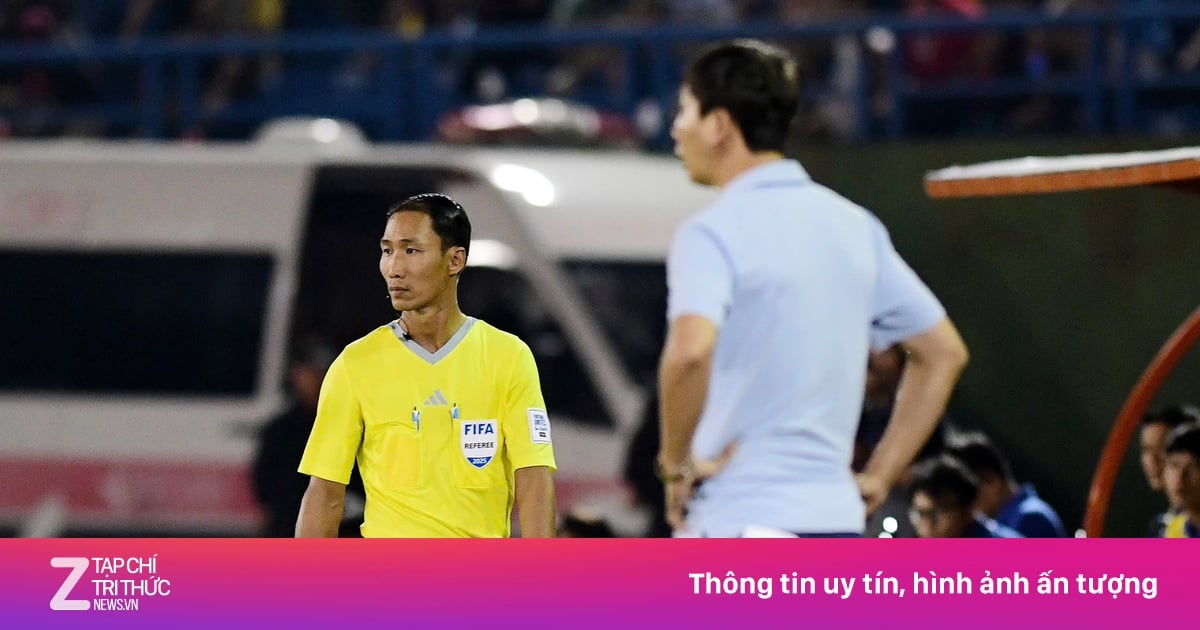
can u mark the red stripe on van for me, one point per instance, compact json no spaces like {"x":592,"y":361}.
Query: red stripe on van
{"x":167,"y":496}
{"x":133,"y":493}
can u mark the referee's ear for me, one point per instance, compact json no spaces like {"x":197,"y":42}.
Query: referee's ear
{"x":458,"y":260}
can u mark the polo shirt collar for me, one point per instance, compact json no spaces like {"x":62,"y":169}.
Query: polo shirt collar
{"x":782,"y":172}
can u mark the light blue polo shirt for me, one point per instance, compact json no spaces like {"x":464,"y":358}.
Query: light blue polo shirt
{"x":800,"y":282}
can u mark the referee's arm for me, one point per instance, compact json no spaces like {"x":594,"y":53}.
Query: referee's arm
{"x":534,"y":490}
{"x":321,"y":509}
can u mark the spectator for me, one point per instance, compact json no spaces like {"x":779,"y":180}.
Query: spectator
{"x":405,"y":18}
{"x":1153,"y":437}
{"x":1000,"y":496}
{"x":597,"y":73}
{"x":935,"y":57}
{"x":938,"y":57}
{"x":36,"y":91}
{"x":831,"y":67}
{"x":492,"y":74}
{"x":1155,"y":427}
{"x":943,"y":492}
{"x":1181,"y":478}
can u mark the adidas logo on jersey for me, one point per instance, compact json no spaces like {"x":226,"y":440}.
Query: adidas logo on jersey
{"x":435,"y":399}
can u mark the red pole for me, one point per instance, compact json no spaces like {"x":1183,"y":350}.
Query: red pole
{"x":1131,"y":415}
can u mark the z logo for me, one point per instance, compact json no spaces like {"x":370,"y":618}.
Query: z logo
{"x":60,"y":602}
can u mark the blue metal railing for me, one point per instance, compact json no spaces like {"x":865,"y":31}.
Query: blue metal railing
{"x":155,"y":87}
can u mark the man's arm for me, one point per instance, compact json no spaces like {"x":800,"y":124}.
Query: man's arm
{"x":936,"y":357}
{"x":683,"y":386}
{"x":321,"y":509}
{"x":536,"y":509}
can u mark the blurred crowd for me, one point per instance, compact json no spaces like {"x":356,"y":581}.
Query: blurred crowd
{"x":850,"y":87}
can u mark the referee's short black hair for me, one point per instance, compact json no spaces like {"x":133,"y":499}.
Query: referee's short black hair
{"x":757,"y":83}
{"x":450,"y":221}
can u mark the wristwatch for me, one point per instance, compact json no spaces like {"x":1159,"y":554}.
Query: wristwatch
{"x":684,"y":472}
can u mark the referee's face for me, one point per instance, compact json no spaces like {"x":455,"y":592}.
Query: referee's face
{"x":418,"y":273}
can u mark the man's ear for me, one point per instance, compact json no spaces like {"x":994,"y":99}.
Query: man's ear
{"x":722,"y":126}
{"x":458,"y":260}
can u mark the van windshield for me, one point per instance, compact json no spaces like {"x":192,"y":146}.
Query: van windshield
{"x":132,"y":322}
{"x":627,"y":299}
{"x":630,"y":301}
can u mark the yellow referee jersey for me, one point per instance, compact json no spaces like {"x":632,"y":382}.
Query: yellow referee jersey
{"x":437,"y":435}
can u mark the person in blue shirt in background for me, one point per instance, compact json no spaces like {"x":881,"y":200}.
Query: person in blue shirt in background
{"x":776,"y":292}
{"x":1000,"y":496}
{"x":942,"y":493}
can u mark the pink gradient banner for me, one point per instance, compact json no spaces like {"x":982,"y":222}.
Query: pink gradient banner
{"x":297,"y":584}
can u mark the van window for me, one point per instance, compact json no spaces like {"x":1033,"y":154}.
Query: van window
{"x":123,"y":322}
{"x":505,"y":299}
{"x":340,"y":296}
{"x":630,"y":300}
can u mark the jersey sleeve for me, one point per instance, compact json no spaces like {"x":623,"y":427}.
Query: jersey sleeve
{"x":699,"y":276}
{"x":903,"y":306}
{"x":338,"y":429}
{"x":526,"y":425}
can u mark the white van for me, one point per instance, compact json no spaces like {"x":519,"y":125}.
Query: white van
{"x":150,"y":291}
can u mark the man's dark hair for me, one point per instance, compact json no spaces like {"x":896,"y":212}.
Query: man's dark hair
{"x":981,"y":455}
{"x":1172,"y":416}
{"x":1185,"y":438}
{"x":755,"y":82}
{"x":450,"y":221}
{"x":946,"y":480}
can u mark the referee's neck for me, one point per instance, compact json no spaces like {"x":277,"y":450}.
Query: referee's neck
{"x":433,"y":326}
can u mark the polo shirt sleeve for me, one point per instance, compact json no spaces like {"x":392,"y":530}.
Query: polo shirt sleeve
{"x":699,"y":275}
{"x":526,"y":425}
{"x":903,"y":306}
{"x":338,"y":429}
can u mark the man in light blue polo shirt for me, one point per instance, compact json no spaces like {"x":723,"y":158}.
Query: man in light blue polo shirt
{"x":775,"y":293}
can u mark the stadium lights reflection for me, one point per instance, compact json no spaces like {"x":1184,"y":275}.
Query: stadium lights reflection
{"x":525,"y":111}
{"x":489,"y":253}
{"x":536,"y":188}
{"x":330,"y":136}
{"x":325,"y":130}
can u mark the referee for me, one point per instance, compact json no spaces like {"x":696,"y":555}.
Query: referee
{"x":443,"y":412}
